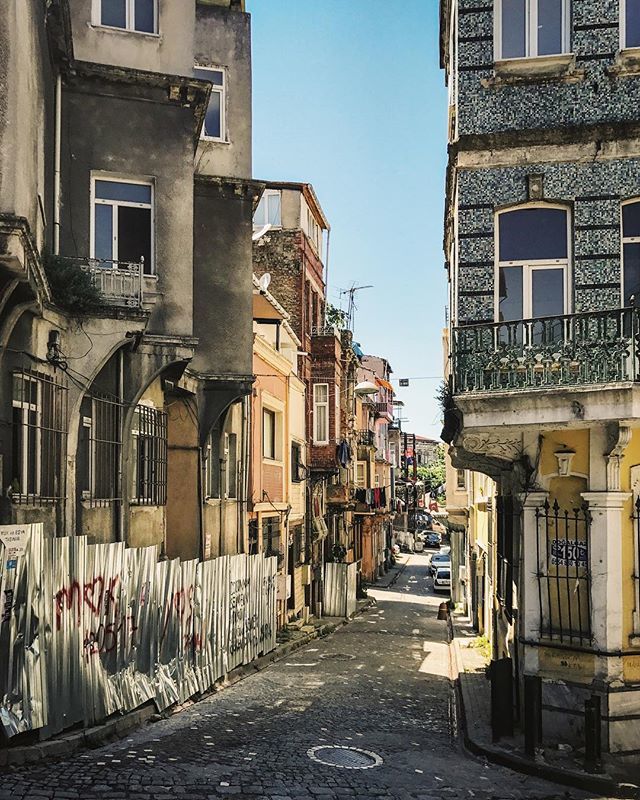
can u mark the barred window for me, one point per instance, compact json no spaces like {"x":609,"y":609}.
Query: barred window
{"x":212,"y":465}
{"x":271,"y":545}
{"x":253,"y":537}
{"x":231,"y":464}
{"x":101,"y":481}
{"x":39,"y":427}
{"x":149,"y":438}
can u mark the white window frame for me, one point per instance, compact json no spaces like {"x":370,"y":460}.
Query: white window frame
{"x":222,"y":91}
{"x":96,"y":18}
{"x":87,"y":424}
{"x":25,"y":409}
{"x":529,"y":266}
{"x":623,"y":28}
{"x":320,"y":404}
{"x":115,"y":204}
{"x":268,"y":193}
{"x":531,"y":33}
{"x":626,"y":240}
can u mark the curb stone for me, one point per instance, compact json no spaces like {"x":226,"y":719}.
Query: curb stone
{"x":605,"y":787}
{"x":119,"y":727}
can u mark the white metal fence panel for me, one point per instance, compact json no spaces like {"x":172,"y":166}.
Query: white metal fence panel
{"x":340,"y":589}
{"x":90,"y":630}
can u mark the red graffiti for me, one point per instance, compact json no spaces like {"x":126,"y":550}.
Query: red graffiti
{"x":94,"y":594}
{"x":181,"y":604}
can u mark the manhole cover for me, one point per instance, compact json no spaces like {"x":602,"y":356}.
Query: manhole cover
{"x":338,"y":656}
{"x":344,"y":757}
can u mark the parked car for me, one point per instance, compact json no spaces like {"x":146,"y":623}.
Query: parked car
{"x":439,"y":560}
{"x":432,"y":539}
{"x":442,"y":579}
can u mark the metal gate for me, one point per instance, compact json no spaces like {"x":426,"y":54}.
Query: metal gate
{"x":564,"y":579}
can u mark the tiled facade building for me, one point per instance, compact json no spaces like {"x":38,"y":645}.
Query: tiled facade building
{"x":542,"y":244}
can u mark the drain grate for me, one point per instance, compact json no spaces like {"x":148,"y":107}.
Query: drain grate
{"x":337,"y":656}
{"x":344,"y":757}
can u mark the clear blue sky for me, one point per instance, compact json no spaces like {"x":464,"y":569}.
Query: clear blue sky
{"x":348,"y":95}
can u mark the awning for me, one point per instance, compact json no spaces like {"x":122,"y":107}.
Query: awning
{"x":385,"y":384}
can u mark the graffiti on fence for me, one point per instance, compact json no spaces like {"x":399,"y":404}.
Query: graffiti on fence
{"x":115,"y":628}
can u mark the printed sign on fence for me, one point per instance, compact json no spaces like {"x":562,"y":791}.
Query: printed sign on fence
{"x":14,"y":538}
{"x":569,"y":553}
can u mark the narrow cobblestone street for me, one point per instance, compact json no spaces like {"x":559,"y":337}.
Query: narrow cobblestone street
{"x":380,"y":683}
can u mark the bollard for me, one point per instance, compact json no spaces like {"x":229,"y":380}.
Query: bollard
{"x":532,"y":714}
{"x":592,"y":735}
{"x":443,"y":611}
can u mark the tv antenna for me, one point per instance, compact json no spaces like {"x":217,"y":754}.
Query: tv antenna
{"x":351,"y":307}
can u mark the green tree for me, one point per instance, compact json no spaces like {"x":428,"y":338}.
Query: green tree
{"x":434,"y":475}
{"x":336,"y":317}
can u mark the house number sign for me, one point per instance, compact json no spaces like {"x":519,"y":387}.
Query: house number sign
{"x":569,"y":553}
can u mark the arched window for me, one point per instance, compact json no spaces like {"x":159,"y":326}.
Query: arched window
{"x":533,"y":262}
{"x":631,"y":252}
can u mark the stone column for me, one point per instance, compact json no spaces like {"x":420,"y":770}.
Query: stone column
{"x":532,"y":565}
{"x":605,"y":566}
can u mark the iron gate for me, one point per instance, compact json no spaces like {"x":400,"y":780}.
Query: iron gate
{"x":564,"y":580}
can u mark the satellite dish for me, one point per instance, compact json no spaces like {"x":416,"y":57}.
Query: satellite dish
{"x":264,"y":281}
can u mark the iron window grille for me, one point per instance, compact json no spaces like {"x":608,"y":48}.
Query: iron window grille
{"x":297,"y":469}
{"x":39,"y":428}
{"x":504,"y":552}
{"x":564,"y":580}
{"x":212,"y":465}
{"x":149,"y":436}
{"x":253,"y":548}
{"x":271,"y":540}
{"x":105,"y":450}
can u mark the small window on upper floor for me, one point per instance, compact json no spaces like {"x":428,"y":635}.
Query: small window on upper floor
{"x":531,"y":28}
{"x":630,"y":23}
{"x":140,"y":16}
{"x":268,"y":211}
{"x":122,"y":230}
{"x":214,"y":121}
{"x":314,"y":232}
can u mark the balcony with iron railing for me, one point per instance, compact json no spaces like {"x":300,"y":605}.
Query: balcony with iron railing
{"x":385,"y":409}
{"x":120,"y":283}
{"x":366,"y":438}
{"x":325,"y":330}
{"x":591,"y":348}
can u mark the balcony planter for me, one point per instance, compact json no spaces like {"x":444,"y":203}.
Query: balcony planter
{"x":72,"y":288}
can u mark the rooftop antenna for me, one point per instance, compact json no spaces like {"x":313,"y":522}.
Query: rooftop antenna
{"x":351,"y":307}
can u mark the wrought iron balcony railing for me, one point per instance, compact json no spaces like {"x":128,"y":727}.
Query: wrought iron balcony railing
{"x":385,"y":408}
{"x":325,"y":330}
{"x":120,"y":282}
{"x":366,"y":438}
{"x":575,"y":349}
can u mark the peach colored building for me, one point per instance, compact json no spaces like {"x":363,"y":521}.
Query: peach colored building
{"x":277,"y":472}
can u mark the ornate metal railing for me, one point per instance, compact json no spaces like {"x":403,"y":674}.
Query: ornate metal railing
{"x":120,"y":282}
{"x":366,"y":438}
{"x":575,"y":349}
{"x":325,"y":330}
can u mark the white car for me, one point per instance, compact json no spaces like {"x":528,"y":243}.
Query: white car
{"x":442,"y":579}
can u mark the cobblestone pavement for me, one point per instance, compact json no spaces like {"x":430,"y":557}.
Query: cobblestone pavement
{"x":380,"y":683}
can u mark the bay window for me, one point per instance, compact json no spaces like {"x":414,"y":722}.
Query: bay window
{"x":530,"y":28}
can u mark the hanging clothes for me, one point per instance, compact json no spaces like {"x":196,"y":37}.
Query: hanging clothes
{"x":343,"y":454}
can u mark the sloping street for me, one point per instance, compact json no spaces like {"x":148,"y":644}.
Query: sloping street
{"x":380,"y":684}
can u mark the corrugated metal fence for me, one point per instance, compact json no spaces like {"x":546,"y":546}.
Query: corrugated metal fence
{"x":89,"y":630}
{"x":340,"y":589}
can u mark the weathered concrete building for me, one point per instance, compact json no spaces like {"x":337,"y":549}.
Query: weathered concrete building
{"x":541,"y":242}
{"x":126,"y":206}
